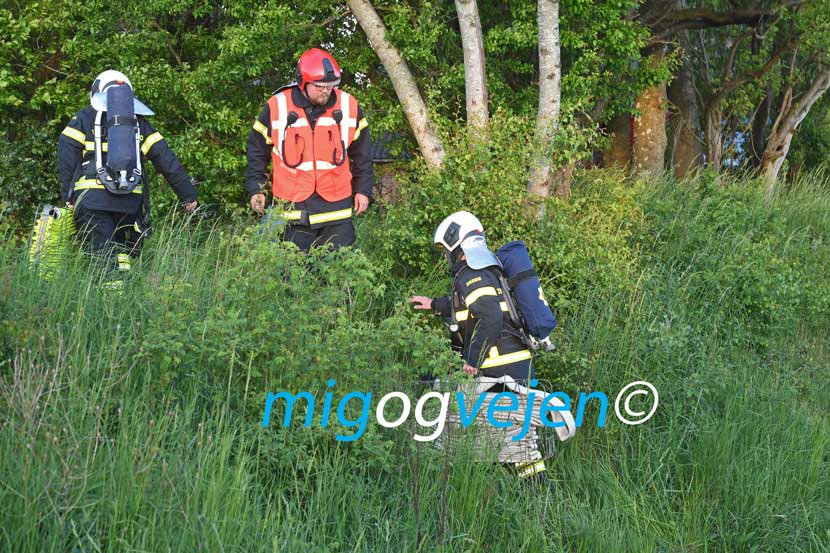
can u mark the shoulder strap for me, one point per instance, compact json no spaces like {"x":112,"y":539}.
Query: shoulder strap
{"x":521,"y":277}
{"x":99,"y":162}
{"x":137,"y":171}
{"x":507,"y":296}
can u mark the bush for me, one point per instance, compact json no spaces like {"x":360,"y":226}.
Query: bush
{"x":579,"y":244}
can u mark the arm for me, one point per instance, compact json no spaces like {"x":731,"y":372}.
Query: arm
{"x":70,"y":151}
{"x":439,"y":306}
{"x":155,"y":148}
{"x":360,"y":158}
{"x":484,"y":302}
{"x":258,"y":153}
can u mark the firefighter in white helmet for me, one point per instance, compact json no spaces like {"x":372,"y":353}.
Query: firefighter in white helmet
{"x":474,"y":307}
{"x":102,"y":154}
{"x":476,"y":313}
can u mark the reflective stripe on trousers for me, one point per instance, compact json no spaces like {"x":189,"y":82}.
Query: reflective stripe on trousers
{"x":494,"y":359}
{"x":317,"y":218}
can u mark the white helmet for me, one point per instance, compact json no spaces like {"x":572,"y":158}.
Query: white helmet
{"x":455,"y":228}
{"x":463,"y":229}
{"x":110,"y":78}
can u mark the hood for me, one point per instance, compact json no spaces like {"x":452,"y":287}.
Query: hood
{"x":478,"y":256}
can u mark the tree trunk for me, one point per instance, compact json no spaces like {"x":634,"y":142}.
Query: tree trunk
{"x":714,"y":136}
{"x":550,"y":79}
{"x":618,"y":153}
{"x":402,"y":80}
{"x":687,"y":149}
{"x":713,"y":112}
{"x":649,"y":145}
{"x":475,"y":75}
{"x":758,"y":136}
{"x":778,"y":145}
{"x":562,"y":179}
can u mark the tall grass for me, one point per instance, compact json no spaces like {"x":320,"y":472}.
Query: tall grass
{"x":131,"y":421}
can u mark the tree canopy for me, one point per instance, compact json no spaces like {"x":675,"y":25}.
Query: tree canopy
{"x":207,"y":67}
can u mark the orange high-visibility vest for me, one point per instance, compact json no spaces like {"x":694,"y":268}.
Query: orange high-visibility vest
{"x":306,"y":160}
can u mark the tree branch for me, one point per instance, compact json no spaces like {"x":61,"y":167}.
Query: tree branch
{"x":730,"y":61}
{"x":674,"y":21}
{"x":729,"y":86}
{"x":704,"y":18}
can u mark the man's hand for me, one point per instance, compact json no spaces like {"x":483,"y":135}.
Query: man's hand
{"x":469,"y":369}
{"x":190,"y":206}
{"x":70,"y":205}
{"x":421,"y":302}
{"x":258,"y":203}
{"x":361,"y":202}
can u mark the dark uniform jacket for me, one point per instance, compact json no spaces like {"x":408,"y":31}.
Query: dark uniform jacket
{"x":76,"y":153}
{"x":360,"y":159}
{"x":488,"y":339}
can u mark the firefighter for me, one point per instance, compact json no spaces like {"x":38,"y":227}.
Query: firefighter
{"x":317,"y":139}
{"x":102,"y":154}
{"x":475,"y":308}
{"x":477,"y":315}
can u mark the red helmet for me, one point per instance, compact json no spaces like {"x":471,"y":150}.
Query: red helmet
{"x":317,"y":66}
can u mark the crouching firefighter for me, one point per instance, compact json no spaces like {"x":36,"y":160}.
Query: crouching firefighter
{"x":103,"y":153}
{"x":477,"y":313}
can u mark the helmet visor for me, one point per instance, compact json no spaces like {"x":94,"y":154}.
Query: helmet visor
{"x":326,"y":84}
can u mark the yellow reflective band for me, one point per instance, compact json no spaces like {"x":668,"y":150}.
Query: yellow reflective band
{"x":90,"y":146}
{"x":506,"y":359}
{"x":292,"y":215}
{"x":535,"y":468}
{"x":150,"y":141}
{"x":263,"y":130}
{"x":330,"y":216}
{"x":464,"y":314}
{"x":74,"y":134}
{"x":360,"y":126}
{"x":115,"y":285}
{"x":478,"y":293}
{"x":92,"y":184}
{"x":123,"y":262}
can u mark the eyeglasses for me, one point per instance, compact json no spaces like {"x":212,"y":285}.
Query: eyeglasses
{"x":322,"y":87}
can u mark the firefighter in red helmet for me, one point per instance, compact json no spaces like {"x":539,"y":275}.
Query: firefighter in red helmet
{"x":317,"y":139}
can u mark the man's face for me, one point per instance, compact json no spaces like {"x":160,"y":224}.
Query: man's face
{"x":318,"y":94}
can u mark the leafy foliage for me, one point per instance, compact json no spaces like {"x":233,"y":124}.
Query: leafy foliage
{"x":206,"y":68}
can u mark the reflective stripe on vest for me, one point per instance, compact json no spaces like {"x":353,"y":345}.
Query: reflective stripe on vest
{"x":316,"y":159}
{"x":464,"y":314}
{"x":90,"y":146}
{"x":478,"y":293}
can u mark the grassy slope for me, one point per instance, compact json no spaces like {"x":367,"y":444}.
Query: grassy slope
{"x":131,"y":422}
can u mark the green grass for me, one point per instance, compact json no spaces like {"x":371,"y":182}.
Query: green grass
{"x":131,"y":422}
